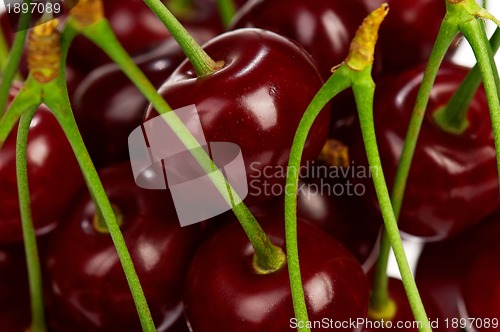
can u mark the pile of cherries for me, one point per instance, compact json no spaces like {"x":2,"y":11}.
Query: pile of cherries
{"x":276,"y":55}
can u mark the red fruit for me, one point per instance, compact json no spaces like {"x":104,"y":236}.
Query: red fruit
{"x":14,"y":291}
{"x":89,"y":291}
{"x":340,"y":216}
{"x":408,"y":33}
{"x":452,"y":183}
{"x":324,"y":28}
{"x":223,"y":291}
{"x":404,"y":319}
{"x":108,"y":106}
{"x":481,"y":291}
{"x":138,"y":30}
{"x":441,"y":265}
{"x":256,"y":101}
{"x":53,"y":173}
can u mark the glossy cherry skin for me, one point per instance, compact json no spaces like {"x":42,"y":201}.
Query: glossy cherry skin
{"x":256,"y":101}
{"x":339,"y":215}
{"x":108,"y":106}
{"x":135,"y":25}
{"x":481,"y":289}
{"x":404,"y":314}
{"x":405,"y":38}
{"x":224,"y":293}
{"x":53,"y":173}
{"x":324,"y":28}
{"x":14,"y":291}
{"x":138,"y":30}
{"x":441,"y":265}
{"x":88,"y":287}
{"x":452,"y":183}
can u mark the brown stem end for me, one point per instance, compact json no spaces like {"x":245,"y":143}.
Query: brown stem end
{"x":88,"y":12}
{"x":44,"y":51}
{"x":362,"y":48}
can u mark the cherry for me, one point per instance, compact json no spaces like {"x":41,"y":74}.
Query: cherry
{"x":108,"y":106}
{"x":54,"y":176}
{"x":452,"y":184}
{"x":256,"y":101}
{"x":339,"y":215}
{"x":223,"y":291}
{"x":441,"y":265}
{"x":88,"y":287}
{"x":324,"y":28}
{"x":404,"y":314}
{"x":481,"y":290}
{"x":14,"y":292}
{"x":406,"y":39}
{"x":137,"y":28}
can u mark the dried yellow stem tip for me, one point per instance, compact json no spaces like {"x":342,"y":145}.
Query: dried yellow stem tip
{"x":44,"y":51}
{"x":363,"y":45}
{"x":335,"y":153}
{"x":88,"y":12}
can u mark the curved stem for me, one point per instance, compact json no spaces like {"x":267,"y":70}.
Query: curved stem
{"x":338,"y":82}
{"x":25,"y":99}
{"x":364,"y":90}
{"x":58,"y":101}
{"x":10,"y":70}
{"x":447,"y":33}
{"x":200,"y":60}
{"x":475,"y":34}
{"x":452,"y":118}
{"x":29,"y":236}
{"x":269,"y":257}
{"x":227,"y":9}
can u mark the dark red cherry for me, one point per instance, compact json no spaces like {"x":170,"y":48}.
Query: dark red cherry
{"x":452,"y":183}
{"x":224,"y":293}
{"x":324,"y":28}
{"x":404,"y":319}
{"x":334,"y":207}
{"x":108,"y":106}
{"x":88,"y":287}
{"x":14,"y":291}
{"x":481,"y":290}
{"x":136,"y":27}
{"x":441,"y":265}
{"x":54,"y":176}
{"x":408,"y":33}
{"x":256,"y":101}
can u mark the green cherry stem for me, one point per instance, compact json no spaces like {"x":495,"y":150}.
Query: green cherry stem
{"x":380,"y":303}
{"x":356,"y":72}
{"x":269,"y":258}
{"x":364,"y":90}
{"x":227,"y":9}
{"x":202,"y":63}
{"x":28,"y":96}
{"x":453,"y":117}
{"x":11,"y":67}
{"x":338,"y":82}
{"x":4,"y":49}
{"x":30,"y":245}
{"x":475,"y":34}
{"x":57,"y":100}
